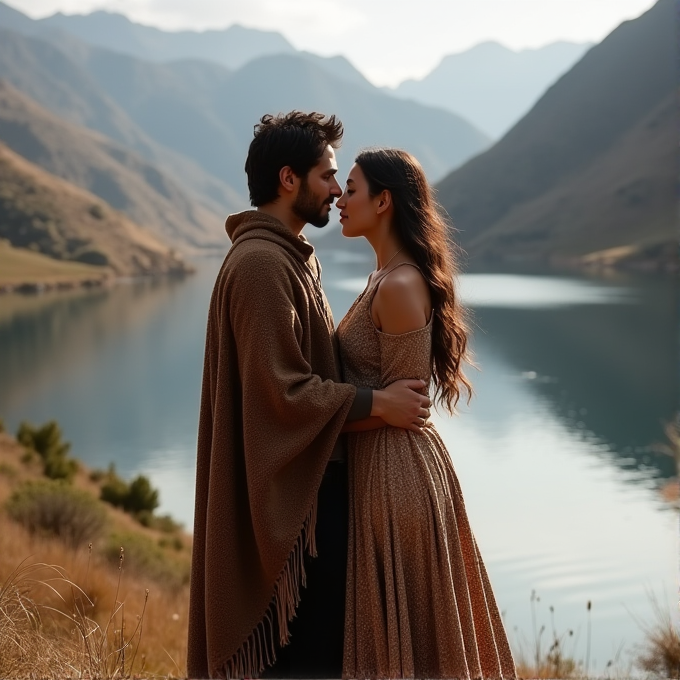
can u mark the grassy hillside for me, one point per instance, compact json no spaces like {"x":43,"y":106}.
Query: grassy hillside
{"x":86,"y":589}
{"x":43,"y":213}
{"x":118,"y":176}
{"x":530,"y":188}
{"x":25,"y":269}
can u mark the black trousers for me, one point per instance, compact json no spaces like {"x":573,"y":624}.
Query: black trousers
{"x":317,"y":632}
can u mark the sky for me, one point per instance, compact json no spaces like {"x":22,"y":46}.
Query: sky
{"x":388,"y":40}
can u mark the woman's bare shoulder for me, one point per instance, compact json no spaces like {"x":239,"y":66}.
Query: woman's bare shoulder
{"x":402,"y":301}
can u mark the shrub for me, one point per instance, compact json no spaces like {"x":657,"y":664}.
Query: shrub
{"x":175,"y":543}
{"x":141,"y":496}
{"x":114,"y":490}
{"x":53,"y":508}
{"x":2,"y":425}
{"x":46,"y":441}
{"x":97,"y":475}
{"x":138,"y":498}
{"x":164,"y":523}
{"x":146,"y":559}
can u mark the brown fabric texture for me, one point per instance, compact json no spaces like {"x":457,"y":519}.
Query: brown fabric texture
{"x":419,"y":601}
{"x":271,"y":412}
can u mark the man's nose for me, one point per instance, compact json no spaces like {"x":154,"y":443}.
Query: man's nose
{"x":335,"y":188}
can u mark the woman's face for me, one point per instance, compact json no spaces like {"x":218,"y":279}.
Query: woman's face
{"x":358,"y":210}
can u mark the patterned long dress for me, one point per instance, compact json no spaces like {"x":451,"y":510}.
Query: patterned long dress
{"x":419,"y":601}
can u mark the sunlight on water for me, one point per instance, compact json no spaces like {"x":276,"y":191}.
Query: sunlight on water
{"x":531,"y":292}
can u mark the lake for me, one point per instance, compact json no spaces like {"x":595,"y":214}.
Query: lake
{"x":557,"y":454}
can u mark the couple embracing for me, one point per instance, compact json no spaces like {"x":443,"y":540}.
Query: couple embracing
{"x":330,"y":532}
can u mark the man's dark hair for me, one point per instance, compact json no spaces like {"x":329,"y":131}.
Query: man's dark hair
{"x":293,"y":139}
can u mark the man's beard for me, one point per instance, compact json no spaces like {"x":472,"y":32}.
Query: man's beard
{"x":307,"y":208}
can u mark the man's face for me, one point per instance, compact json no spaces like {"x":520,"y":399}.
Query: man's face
{"x":318,"y":190}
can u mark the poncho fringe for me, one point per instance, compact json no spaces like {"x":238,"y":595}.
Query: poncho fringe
{"x":259,"y":647}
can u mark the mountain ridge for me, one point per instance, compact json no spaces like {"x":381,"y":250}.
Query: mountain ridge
{"x":581,"y":121}
{"x":493,"y":85}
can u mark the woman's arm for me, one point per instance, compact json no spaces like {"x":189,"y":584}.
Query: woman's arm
{"x":365,"y":424}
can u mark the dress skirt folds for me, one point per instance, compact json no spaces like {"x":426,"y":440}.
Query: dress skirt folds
{"x":419,"y":600}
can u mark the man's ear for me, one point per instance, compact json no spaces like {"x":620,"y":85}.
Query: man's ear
{"x":288,"y":178}
{"x":384,"y":201}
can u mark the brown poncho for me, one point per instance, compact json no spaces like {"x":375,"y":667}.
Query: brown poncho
{"x":271,"y":412}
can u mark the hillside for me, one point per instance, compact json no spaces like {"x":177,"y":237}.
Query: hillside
{"x":591,"y":167}
{"x":493,"y":86}
{"x":43,"y":213}
{"x":28,"y":271}
{"x":108,"y":170}
{"x":153,"y":582}
{"x":53,"y":77}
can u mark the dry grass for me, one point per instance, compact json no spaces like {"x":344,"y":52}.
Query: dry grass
{"x":67,"y":620}
{"x":19,"y":267}
{"x":659,"y":655}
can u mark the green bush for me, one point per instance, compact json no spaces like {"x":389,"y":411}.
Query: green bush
{"x":46,"y":441}
{"x":174,"y":542}
{"x":145,"y":558}
{"x":138,"y":497}
{"x":141,"y":496}
{"x":54,"y":508}
{"x":114,"y":490}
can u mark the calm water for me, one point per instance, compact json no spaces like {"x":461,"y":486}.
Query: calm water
{"x":556,"y":453}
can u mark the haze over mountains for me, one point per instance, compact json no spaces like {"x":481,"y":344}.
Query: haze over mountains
{"x":590,"y":173}
{"x":491,"y":85}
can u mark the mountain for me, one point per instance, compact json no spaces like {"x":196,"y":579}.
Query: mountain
{"x":231,"y":47}
{"x":493,"y":86}
{"x":206,"y":113}
{"x":213,"y":125}
{"x":43,"y":213}
{"x":591,"y":168}
{"x":52,"y":76}
{"x":118,"y":176}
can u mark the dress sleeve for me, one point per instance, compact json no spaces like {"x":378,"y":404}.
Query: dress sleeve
{"x":405,"y":356}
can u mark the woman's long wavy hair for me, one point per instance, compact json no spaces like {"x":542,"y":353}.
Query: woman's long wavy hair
{"x":424,"y":233}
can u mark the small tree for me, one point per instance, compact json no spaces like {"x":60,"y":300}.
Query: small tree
{"x":47,"y":442}
{"x":114,"y":490}
{"x":141,"y":496}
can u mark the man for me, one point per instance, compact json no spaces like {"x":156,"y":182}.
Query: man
{"x":270,"y":481}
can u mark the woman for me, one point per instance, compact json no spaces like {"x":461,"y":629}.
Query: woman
{"x":419,"y":601}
